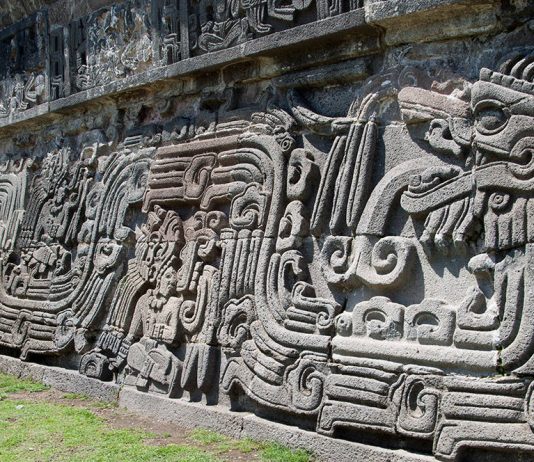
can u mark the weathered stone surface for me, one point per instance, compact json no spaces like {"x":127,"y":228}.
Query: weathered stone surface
{"x":317,"y":213}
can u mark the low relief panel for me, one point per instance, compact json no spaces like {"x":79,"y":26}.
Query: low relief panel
{"x":380,"y":286}
{"x":44,"y":61}
{"x":217,"y":25}
{"x":110,"y":44}
{"x":23,"y":72}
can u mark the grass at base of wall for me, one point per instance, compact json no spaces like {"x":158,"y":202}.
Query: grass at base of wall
{"x":11,"y":384}
{"x":33,"y":429}
{"x":51,"y":432}
{"x":271,"y":452}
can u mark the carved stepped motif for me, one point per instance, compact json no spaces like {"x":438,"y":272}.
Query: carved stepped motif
{"x":367,"y":275}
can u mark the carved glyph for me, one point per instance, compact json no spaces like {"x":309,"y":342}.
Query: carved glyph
{"x":359,"y":274}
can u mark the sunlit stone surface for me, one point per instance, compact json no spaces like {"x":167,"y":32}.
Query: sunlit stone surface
{"x":320,"y":212}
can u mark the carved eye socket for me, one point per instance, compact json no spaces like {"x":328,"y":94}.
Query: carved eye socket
{"x":107,"y":249}
{"x":491,"y":117}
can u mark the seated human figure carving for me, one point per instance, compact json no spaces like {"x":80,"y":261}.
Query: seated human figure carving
{"x":155,"y":322}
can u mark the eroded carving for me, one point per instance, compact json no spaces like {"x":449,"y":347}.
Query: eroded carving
{"x":357,"y":281}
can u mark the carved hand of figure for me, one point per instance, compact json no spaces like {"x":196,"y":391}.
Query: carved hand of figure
{"x":123,"y":351}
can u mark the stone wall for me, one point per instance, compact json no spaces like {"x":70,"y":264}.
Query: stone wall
{"x":321,"y":212}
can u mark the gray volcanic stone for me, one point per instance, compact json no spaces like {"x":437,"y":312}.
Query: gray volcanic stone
{"x":307,"y":220}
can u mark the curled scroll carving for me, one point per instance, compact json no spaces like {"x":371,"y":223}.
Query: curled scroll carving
{"x":366,"y":273}
{"x":376,"y":262}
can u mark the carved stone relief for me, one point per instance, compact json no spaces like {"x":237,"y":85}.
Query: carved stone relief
{"x":365,"y":273}
{"x":132,"y":37}
{"x":23,"y":70}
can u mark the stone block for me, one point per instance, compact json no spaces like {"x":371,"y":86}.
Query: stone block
{"x":308,"y":221}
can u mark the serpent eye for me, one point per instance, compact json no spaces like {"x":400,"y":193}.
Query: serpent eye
{"x":491,"y":117}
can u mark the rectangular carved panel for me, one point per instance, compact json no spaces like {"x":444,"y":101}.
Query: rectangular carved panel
{"x":344,"y":245}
